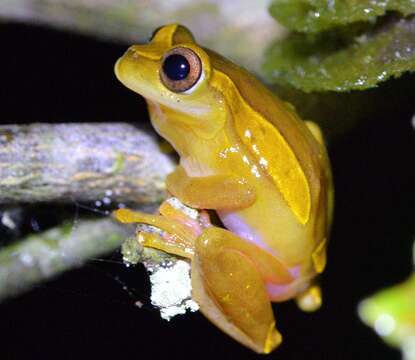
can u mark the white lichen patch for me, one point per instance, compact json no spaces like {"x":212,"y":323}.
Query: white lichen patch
{"x":171,"y":290}
{"x":7,"y":220}
{"x":177,"y":204}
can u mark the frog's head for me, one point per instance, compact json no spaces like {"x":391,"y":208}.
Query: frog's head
{"x":172,"y":70}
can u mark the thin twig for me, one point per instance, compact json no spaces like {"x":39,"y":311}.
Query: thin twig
{"x":40,"y":257}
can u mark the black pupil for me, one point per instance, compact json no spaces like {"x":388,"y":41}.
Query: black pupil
{"x":176,"y":67}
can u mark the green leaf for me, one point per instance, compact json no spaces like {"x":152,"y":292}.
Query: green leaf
{"x":334,"y":61}
{"x":391,"y":312}
{"x":318,"y":15}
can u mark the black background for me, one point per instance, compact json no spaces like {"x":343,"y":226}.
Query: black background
{"x":52,"y":76}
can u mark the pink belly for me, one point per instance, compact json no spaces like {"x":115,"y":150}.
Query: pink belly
{"x":240,"y":227}
{"x":236,"y":224}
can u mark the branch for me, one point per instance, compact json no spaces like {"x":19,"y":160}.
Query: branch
{"x":83,"y":162}
{"x":40,"y":257}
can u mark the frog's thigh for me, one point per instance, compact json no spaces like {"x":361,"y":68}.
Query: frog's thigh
{"x":210,"y":192}
{"x":315,"y":130}
{"x":311,"y":299}
{"x":231,"y":292}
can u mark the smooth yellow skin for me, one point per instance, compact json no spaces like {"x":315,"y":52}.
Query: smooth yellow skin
{"x":246,"y":155}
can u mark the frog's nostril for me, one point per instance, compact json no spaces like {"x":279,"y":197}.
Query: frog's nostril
{"x":132,"y":52}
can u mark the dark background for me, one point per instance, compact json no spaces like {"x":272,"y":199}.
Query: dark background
{"x":52,"y":76}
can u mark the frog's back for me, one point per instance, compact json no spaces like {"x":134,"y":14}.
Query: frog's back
{"x":304,"y":157}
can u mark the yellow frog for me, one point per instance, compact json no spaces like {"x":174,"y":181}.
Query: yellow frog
{"x":245,"y":155}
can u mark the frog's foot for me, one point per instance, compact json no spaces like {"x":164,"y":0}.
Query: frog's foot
{"x":310,"y":300}
{"x":228,"y":282}
{"x":174,"y":230}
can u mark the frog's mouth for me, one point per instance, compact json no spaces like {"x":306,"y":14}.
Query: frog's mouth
{"x":122,"y":68}
{"x":131,"y":73}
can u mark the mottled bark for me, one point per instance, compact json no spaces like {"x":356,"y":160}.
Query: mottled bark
{"x":83,"y":162}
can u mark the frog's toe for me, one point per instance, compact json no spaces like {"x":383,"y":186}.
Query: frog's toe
{"x":161,"y":232}
{"x":127,"y":216}
{"x":310,"y":300}
{"x":194,"y":220}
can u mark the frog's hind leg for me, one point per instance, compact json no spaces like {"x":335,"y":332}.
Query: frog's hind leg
{"x":311,"y":299}
{"x":230,"y":288}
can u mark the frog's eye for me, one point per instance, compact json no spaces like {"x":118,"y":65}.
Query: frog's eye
{"x":181,"y":69}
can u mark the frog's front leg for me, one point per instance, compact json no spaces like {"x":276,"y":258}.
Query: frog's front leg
{"x":177,"y":231}
{"x":219,"y":192}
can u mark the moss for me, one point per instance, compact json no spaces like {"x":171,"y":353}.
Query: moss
{"x":118,"y":164}
{"x":340,"y":60}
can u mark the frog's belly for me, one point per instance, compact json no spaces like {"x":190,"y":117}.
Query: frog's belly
{"x":270,"y":224}
{"x":277,"y":292}
{"x":239,"y":226}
